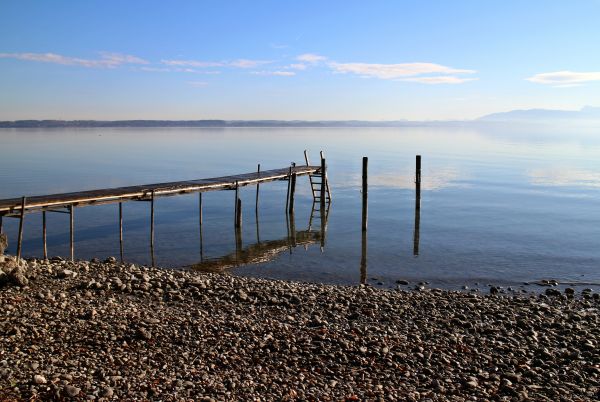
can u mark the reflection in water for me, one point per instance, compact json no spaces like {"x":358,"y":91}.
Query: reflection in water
{"x":363,"y":258}
{"x":267,"y":250}
{"x":437,"y":179}
{"x":564,"y":177}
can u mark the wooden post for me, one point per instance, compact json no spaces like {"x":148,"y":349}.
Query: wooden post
{"x":72,"y":231}
{"x":287,"y":197}
{"x":44,"y":235}
{"x":365,"y":193}
{"x":238,"y":215}
{"x":323,"y":184}
{"x":152,"y":226}
{"x":235,"y":204}
{"x":292,"y":192}
{"x":200,"y":222}
{"x":363,"y":258}
{"x":1,"y":224}
{"x":257,"y":188}
{"x":20,"y":240}
{"x":416,"y":233}
{"x":121,"y":230}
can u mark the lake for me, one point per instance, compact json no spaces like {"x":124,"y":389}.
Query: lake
{"x":500,"y":205}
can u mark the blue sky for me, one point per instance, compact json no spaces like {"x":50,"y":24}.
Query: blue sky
{"x":371,"y":60}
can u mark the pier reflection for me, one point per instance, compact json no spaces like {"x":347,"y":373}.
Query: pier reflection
{"x":264,"y":251}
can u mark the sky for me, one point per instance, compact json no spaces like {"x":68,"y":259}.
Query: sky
{"x":287,"y":60}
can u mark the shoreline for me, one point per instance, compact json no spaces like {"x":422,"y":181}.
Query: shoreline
{"x":103,"y":330}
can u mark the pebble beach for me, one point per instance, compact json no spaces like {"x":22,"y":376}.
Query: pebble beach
{"x":92,"y":330}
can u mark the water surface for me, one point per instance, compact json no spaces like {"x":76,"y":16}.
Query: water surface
{"x":501,"y":206}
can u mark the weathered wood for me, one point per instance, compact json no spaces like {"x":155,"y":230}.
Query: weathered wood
{"x":326,"y":180}
{"x":287,"y":197}
{"x":1,"y":224}
{"x":416,"y":233}
{"x":238,"y":214}
{"x":152,"y":225}
{"x":257,"y":188}
{"x":22,"y":218}
{"x":142,"y":192}
{"x":363,"y":258}
{"x":72,"y":231}
{"x":292,"y":193}
{"x":121,"y":231}
{"x":45,"y":245}
{"x":200,"y":222}
{"x":365,"y":192}
{"x":235,"y":205}
{"x":323,"y":180}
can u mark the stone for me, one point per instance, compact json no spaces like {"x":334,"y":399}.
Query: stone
{"x":3,"y":243}
{"x":402,"y":282}
{"x":39,"y":379}
{"x":107,"y":392}
{"x":72,"y":391}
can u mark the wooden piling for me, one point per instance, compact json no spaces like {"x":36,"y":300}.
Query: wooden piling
{"x":292,"y":193}
{"x":45,"y":246}
{"x":22,"y":218}
{"x":287,"y":197}
{"x":363,"y":258}
{"x":238,"y":214}
{"x":1,"y":224}
{"x":323,"y":183}
{"x":257,"y":188}
{"x":121,"y":230}
{"x":235,"y":204}
{"x":72,"y":231}
{"x":416,"y":233}
{"x":152,"y":225}
{"x":200,"y":223}
{"x":365,"y":193}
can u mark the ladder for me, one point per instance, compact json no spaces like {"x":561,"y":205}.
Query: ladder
{"x":315,"y":182}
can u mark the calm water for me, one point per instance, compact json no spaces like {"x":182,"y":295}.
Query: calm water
{"x":498,"y":206}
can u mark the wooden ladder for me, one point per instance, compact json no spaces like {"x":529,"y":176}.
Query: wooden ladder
{"x":315,"y":182}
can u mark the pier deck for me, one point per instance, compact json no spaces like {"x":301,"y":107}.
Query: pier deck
{"x":145,"y":192}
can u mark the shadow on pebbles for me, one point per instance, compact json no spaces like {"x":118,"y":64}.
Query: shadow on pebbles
{"x":107,"y":331}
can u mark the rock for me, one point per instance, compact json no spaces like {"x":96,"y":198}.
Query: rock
{"x":493,"y":290}
{"x":110,"y":260}
{"x":402,"y":282}
{"x":72,"y":391}
{"x":569,"y":291}
{"x":552,"y":292}
{"x":143,"y":333}
{"x":107,"y":392}
{"x":3,"y":243}
{"x":14,"y":273}
{"x":39,"y":379}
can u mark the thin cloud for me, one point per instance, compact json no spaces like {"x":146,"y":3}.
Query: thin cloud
{"x":245,"y":63}
{"x":311,"y":58}
{"x":441,"y":79}
{"x":396,"y":71}
{"x":565,"y":79}
{"x":178,"y":70}
{"x":275,"y":73}
{"x":198,"y":84}
{"x":297,"y":66}
{"x":192,"y":63}
{"x":106,"y":60}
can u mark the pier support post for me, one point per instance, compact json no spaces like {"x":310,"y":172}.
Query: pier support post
{"x":121,"y":231}
{"x":365,"y":193}
{"x":257,"y":189}
{"x":323,"y":184}
{"x":416,"y":233}
{"x":45,"y":246}
{"x":21,"y":222}
{"x":238,"y":214}
{"x":1,"y":224}
{"x":292,"y":193}
{"x":72,"y":231}
{"x":200,"y":223}
{"x":152,"y":226}
{"x":287,"y":197}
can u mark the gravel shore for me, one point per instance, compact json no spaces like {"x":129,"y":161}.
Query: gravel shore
{"x":103,"y":330}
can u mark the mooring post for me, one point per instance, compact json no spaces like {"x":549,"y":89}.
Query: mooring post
{"x":365,"y":193}
{"x":200,"y":222}
{"x":287,"y":197}
{"x":121,"y":230}
{"x":323,"y":184}
{"x":152,"y":226}
{"x":416,"y":233}
{"x":292,"y":192}
{"x":257,"y":188}
{"x":1,"y":224}
{"x":235,"y":204}
{"x":72,"y":231}
{"x":363,"y":258}
{"x":44,"y":235}
{"x":238,"y":214}
{"x":22,"y":218}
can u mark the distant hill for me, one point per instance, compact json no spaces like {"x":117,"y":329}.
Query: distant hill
{"x":543,"y":115}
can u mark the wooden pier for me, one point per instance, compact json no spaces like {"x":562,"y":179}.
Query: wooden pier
{"x":67,"y":202}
